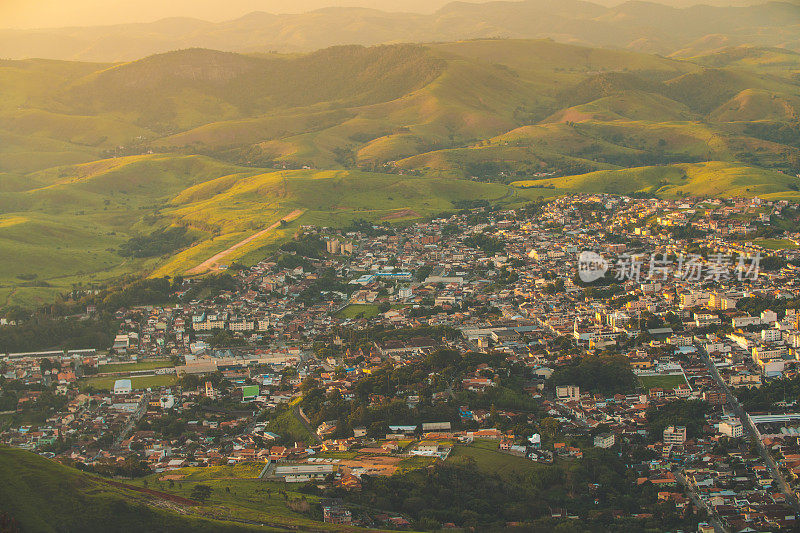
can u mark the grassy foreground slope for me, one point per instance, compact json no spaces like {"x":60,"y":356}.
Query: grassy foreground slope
{"x":68,"y":225}
{"x":45,"y":496}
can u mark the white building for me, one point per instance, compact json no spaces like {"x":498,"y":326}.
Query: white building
{"x":605,"y":440}
{"x":732,"y":428}
{"x":122,"y":386}
{"x":675,"y":435}
{"x":769,"y":317}
{"x":568,"y":392}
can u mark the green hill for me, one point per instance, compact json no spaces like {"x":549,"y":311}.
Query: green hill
{"x":701,"y":179}
{"x":45,"y":496}
{"x":177,"y":90}
{"x":94,"y":155}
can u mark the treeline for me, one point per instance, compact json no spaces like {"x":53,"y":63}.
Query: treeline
{"x":325,"y":287}
{"x":209,"y":287}
{"x":688,"y":413}
{"x":37,"y":410}
{"x":782,"y":132}
{"x":755,"y":305}
{"x":56,"y":326}
{"x":41,"y":333}
{"x":306,"y":245}
{"x":764,"y":397}
{"x":366,"y":337}
{"x":463,"y":492}
{"x":160,"y":242}
{"x":486,"y":243}
{"x":437,"y":372}
{"x":608,"y":374}
{"x":125,"y":293}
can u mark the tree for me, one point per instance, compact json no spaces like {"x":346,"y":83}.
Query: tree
{"x":201,"y":493}
{"x":45,"y":365}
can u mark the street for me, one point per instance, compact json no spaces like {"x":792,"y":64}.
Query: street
{"x":752,"y":434}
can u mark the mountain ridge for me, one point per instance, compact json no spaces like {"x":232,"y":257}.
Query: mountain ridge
{"x":645,"y":26}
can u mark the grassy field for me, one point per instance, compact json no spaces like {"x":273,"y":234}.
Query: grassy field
{"x":777,"y":244}
{"x":43,"y":495}
{"x":248,"y":470}
{"x":365,"y":310}
{"x":490,"y":459}
{"x":697,"y":179}
{"x":250,"y":499}
{"x":287,"y":424}
{"x":149,"y":364}
{"x":137,"y":383}
{"x":663,"y":382}
{"x":354,"y":310}
{"x":414,"y":463}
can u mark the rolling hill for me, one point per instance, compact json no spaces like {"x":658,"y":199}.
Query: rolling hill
{"x":672,"y":181}
{"x":224,"y":145}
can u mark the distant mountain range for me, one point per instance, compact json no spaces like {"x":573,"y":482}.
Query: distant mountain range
{"x":635,"y":25}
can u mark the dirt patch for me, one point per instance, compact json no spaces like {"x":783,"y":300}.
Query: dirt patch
{"x":173,"y":477}
{"x":213,"y":262}
{"x":401,"y":213}
{"x":158,"y":494}
{"x":375,"y":465}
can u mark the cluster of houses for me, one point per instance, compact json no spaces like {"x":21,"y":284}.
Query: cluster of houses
{"x":685,"y":337}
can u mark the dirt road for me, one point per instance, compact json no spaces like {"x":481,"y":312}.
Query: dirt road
{"x":214,"y":262}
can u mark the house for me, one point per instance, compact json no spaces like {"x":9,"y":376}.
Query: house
{"x":337,"y":515}
{"x":299,"y":473}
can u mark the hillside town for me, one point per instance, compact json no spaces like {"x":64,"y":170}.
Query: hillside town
{"x":660,"y":334}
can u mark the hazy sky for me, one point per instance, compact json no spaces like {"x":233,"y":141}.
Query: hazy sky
{"x":55,"y":13}
{"x":58,"y":13}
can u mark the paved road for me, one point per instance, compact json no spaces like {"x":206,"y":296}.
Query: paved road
{"x":752,"y":434}
{"x":133,"y":420}
{"x":700,"y":503}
